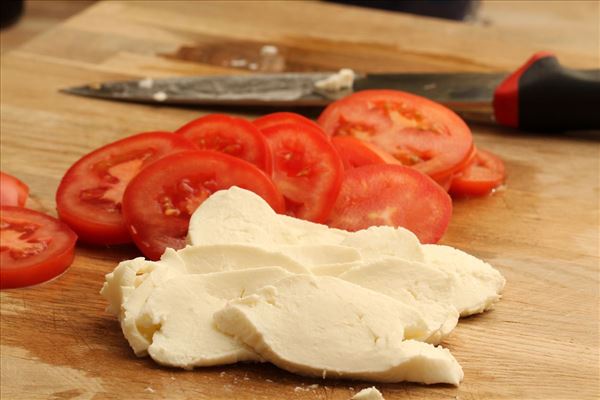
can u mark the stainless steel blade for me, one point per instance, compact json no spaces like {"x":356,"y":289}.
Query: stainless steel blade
{"x":469,"y":94}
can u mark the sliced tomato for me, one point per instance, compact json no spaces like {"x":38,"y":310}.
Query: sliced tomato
{"x":392,"y":195}
{"x":279,"y":118}
{"x":34,"y":247}
{"x":90,"y":194}
{"x":356,"y":153}
{"x":160,"y":200}
{"x":307,"y":170}
{"x":416,"y":131}
{"x":446,"y":181}
{"x":13,"y":192}
{"x":230,"y":135}
{"x":485,"y":173}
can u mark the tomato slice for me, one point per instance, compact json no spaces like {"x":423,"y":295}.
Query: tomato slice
{"x":392,"y":195}
{"x":446,"y":181}
{"x":89,"y":195}
{"x":306,"y":169}
{"x":416,"y":131}
{"x":356,"y":153}
{"x":230,"y":135}
{"x":13,"y":192}
{"x":34,"y":247}
{"x":159,"y":201}
{"x":485,"y":173}
{"x":278,"y":118}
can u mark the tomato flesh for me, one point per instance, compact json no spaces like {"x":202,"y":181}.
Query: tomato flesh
{"x":34,"y":247}
{"x":90,"y":194}
{"x":416,"y":131}
{"x":307,"y":170}
{"x":392,"y":195}
{"x":356,"y":153}
{"x":13,"y":192}
{"x":230,"y":135}
{"x":278,"y":118}
{"x":160,"y":200}
{"x":485,"y":173}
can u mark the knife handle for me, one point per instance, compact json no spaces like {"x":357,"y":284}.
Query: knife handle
{"x":542,"y":95}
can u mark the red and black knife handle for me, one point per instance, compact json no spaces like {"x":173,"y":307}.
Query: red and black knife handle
{"x":542,"y":95}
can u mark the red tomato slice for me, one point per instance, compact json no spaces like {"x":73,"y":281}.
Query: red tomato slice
{"x":392,"y":195}
{"x":278,"y":118}
{"x":356,"y":153}
{"x":34,"y":247}
{"x":416,"y":131}
{"x":230,"y":135}
{"x":485,"y":173}
{"x":446,"y":181}
{"x":159,"y":201}
{"x":13,"y":192}
{"x":307,"y":170}
{"x":89,"y":195}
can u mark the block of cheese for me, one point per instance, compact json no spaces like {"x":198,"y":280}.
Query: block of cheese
{"x":478,"y":284}
{"x":425,"y":288}
{"x":327,"y":327}
{"x":178,"y":317}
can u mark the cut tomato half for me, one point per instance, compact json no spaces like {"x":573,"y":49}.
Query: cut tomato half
{"x":356,"y":153}
{"x":230,"y":135}
{"x":13,"y":192}
{"x":34,"y":247}
{"x":89,"y":196}
{"x":278,"y":118}
{"x":485,"y":173}
{"x":160,"y":200}
{"x":307,"y":170}
{"x":416,"y":131}
{"x":392,"y":195}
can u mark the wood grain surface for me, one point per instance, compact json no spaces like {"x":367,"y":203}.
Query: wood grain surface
{"x":541,"y":231}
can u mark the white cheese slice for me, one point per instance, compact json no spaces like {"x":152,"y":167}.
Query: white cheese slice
{"x":478,"y":284}
{"x":425,"y":288}
{"x":368,"y":394}
{"x":327,"y":327}
{"x":179,"y":314}
{"x":320,"y":254}
{"x":384,"y":241}
{"x":226,"y":257}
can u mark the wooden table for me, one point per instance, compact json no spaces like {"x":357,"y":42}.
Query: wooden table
{"x":540,"y":342}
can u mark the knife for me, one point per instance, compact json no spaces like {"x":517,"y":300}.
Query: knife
{"x":541,"y":95}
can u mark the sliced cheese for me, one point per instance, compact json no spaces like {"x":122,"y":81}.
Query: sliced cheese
{"x":227,"y":257}
{"x":413,"y":283}
{"x":327,"y":327}
{"x":179,"y":315}
{"x":478,"y":285}
{"x":385,"y":241}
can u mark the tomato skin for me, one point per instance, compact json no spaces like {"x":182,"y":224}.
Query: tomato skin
{"x":230,"y":135}
{"x":415,"y":130}
{"x":54,"y":257}
{"x":356,"y":153}
{"x":307,"y":170}
{"x":159,"y":201}
{"x":13,"y":192}
{"x":89,"y":195}
{"x":393,"y":195}
{"x":278,"y":118}
{"x":485,"y":173}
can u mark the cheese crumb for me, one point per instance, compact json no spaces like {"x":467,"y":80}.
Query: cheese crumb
{"x":344,"y":79}
{"x":159,"y":96}
{"x":146,"y":83}
{"x":368,"y":394}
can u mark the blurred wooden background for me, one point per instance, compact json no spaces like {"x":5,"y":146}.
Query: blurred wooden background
{"x":563,"y":18}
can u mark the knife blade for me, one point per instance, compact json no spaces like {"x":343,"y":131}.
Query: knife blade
{"x":479,"y":97}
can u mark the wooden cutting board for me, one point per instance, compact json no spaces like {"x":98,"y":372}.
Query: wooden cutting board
{"x":541,"y":231}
